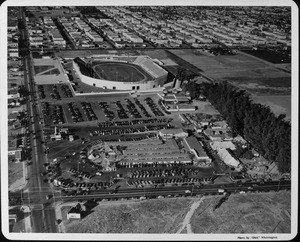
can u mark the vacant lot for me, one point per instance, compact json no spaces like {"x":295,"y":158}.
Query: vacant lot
{"x":152,"y":216}
{"x":242,"y":70}
{"x":15,"y":172}
{"x":241,"y":213}
{"x":245,"y":213}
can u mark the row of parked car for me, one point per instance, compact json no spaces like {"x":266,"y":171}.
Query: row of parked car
{"x":82,"y":188}
{"x":137,"y":102}
{"x":153,"y":107}
{"x":160,"y":103}
{"x":146,"y":128}
{"x":58,"y":115}
{"x":132,"y":109}
{"x":46,"y":108}
{"x":133,"y":122}
{"x":74,"y":110}
{"x":121,"y":111}
{"x":162,"y":182}
{"x":141,"y":165}
{"x":107,"y":112}
{"x":66,"y":91}
{"x":80,"y":173}
{"x":88,"y":110}
{"x":41,"y":92}
{"x":143,"y":137}
{"x":55,"y":94}
{"x":175,"y":171}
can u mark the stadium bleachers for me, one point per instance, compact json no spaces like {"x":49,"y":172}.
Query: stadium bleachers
{"x":155,"y":70}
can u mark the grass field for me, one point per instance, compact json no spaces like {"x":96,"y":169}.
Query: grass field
{"x":242,"y":70}
{"x":119,"y":72}
{"x":270,"y":56}
{"x":279,"y":104}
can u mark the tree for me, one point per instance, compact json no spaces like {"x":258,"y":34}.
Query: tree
{"x":268,"y":134}
{"x":181,"y":73}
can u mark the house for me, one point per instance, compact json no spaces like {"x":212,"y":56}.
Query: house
{"x":196,"y":148}
{"x":172,"y":133}
{"x":213,"y":135}
{"x":16,"y":154}
{"x":57,"y":134}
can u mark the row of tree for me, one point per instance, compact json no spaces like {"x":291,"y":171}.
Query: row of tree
{"x":270,"y":135}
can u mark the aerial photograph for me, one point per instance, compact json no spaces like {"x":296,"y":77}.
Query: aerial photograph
{"x":149,"y":120}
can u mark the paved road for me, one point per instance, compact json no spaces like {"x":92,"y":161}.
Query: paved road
{"x":37,"y":202}
{"x":42,"y":220}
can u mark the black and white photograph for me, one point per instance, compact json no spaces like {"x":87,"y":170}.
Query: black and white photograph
{"x":149,"y":120}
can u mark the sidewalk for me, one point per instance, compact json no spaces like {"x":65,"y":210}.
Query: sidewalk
{"x":27,"y":219}
{"x":58,"y":205}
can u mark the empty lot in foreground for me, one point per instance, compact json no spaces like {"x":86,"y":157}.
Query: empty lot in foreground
{"x":241,"y":213}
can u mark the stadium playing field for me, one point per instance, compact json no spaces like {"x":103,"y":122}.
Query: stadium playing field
{"x":120,"y":72}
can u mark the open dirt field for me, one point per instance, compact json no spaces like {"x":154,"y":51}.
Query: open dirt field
{"x":241,"y":213}
{"x":152,"y":216}
{"x":245,"y":213}
{"x":15,"y":172}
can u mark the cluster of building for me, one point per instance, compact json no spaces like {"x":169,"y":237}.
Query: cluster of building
{"x":176,"y":102}
{"x":200,"y":26}
{"x":119,"y":35}
{"x":43,"y":33}
{"x":15,"y":79}
{"x":219,"y":135}
{"x":80,"y":33}
{"x":130,"y":26}
{"x":163,"y":150}
{"x":12,"y":33}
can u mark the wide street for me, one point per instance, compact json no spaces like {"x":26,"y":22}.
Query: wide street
{"x":36,"y":197}
{"x":42,"y":220}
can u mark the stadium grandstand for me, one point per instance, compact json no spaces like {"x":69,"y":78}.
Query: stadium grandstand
{"x":120,"y":72}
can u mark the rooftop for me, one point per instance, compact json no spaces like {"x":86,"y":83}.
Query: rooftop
{"x":49,"y":71}
{"x":194,"y":144}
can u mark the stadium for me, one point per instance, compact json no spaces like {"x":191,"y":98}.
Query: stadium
{"x":127,"y":73}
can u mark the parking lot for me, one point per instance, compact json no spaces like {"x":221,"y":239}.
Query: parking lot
{"x":61,"y":108}
{"x":111,"y":118}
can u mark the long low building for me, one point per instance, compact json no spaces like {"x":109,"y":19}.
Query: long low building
{"x":176,"y":158}
{"x":151,"y":152}
{"x":196,"y":148}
